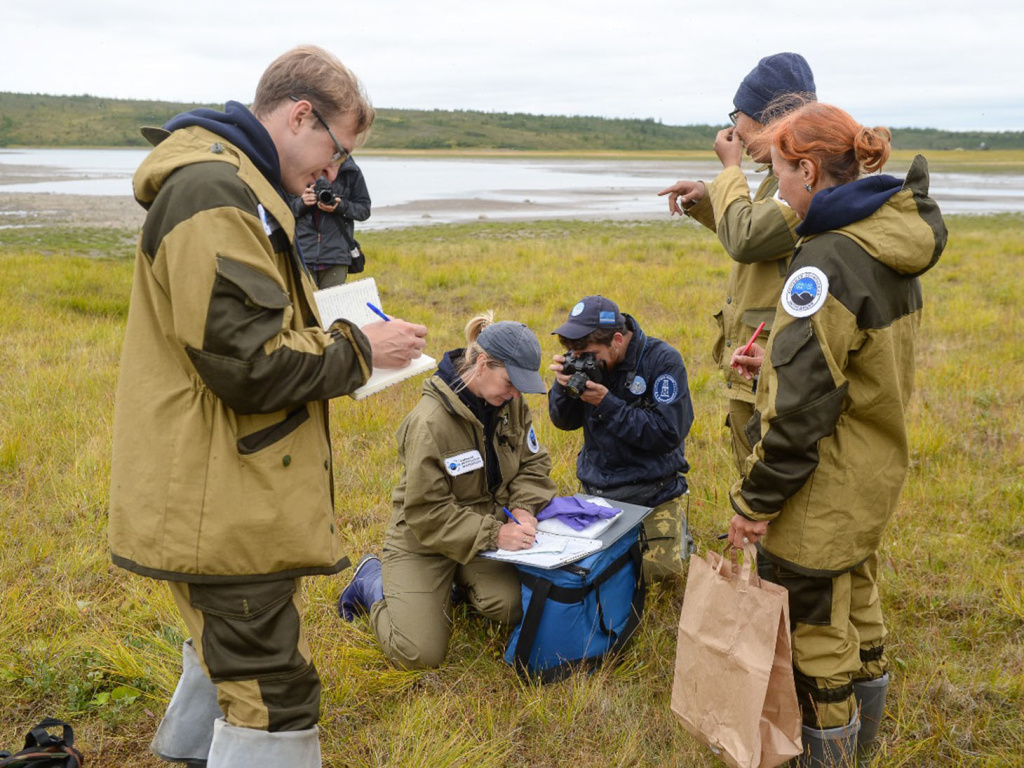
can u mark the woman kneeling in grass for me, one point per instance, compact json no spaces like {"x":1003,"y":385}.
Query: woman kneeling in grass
{"x":469,"y":452}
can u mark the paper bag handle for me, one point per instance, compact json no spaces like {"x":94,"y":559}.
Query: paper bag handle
{"x":747,"y":572}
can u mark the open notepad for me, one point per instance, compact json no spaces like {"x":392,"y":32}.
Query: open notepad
{"x":349,"y":302}
{"x":553,"y":550}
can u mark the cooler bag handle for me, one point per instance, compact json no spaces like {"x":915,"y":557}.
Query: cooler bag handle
{"x":636,"y":607}
{"x":531,"y":623}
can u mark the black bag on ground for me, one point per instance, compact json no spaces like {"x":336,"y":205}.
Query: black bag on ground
{"x":44,"y":750}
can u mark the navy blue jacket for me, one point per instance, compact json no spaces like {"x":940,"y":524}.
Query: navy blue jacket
{"x":633,"y":438}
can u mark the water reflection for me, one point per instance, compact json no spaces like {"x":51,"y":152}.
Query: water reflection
{"x":418,"y":190}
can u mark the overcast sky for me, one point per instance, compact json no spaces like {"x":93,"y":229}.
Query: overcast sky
{"x":895,"y":63}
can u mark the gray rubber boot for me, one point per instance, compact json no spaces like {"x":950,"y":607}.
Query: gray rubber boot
{"x":870,"y":696}
{"x":235,"y":747}
{"x":185,"y":733}
{"x":830,"y":747}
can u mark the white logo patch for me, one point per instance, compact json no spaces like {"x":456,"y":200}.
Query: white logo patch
{"x":532,"y":442}
{"x":638,"y":386}
{"x":805,"y":292}
{"x":577,"y":310}
{"x":463,"y":463}
{"x":665,"y":388}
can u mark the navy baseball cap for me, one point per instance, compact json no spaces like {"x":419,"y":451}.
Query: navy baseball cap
{"x":590,"y":314}
{"x":516,"y":346}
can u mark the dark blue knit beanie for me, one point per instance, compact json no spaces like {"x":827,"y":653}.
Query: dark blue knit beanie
{"x":774,"y":76}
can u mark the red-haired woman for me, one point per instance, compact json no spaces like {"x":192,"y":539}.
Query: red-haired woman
{"x":830,"y":443}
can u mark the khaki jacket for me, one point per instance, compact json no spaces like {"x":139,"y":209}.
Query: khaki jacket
{"x":758,"y":235}
{"x":221,"y":464}
{"x":832,"y":454}
{"x":442,"y":504}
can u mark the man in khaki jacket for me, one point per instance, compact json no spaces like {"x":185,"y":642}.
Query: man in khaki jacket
{"x":221,"y":465}
{"x":756,"y":233}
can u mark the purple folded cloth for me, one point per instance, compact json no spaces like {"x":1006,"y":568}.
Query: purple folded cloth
{"x":576,"y":513}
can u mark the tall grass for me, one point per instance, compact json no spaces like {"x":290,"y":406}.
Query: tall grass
{"x":86,"y":641}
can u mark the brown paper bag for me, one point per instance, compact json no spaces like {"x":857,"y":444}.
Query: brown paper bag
{"x":733,"y":687}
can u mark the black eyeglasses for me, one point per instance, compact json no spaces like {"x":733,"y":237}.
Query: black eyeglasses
{"x":732,"y":116}
{"x":341,"y":154}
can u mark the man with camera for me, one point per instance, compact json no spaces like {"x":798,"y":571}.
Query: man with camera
{"x":325,"y":216}
{"x":630,"y":394}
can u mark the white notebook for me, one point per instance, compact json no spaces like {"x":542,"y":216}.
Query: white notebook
{"x":349,"y":301}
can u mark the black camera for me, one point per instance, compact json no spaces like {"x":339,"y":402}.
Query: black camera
{"x":580,"y":367}
{"x":324,"y":193}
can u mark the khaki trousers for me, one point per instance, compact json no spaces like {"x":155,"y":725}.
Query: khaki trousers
{"x":252,"y":646}
{"x":413,"y":621}
{"x":838,"y":637}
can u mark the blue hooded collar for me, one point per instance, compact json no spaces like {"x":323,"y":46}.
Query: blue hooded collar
{"x":239,"y":126}
{"x":839,"y":206}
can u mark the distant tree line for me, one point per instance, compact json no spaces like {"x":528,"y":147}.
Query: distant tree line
{"x":37,"y":120}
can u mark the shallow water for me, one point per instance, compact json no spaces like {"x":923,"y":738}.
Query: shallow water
{"x":417,"y":190}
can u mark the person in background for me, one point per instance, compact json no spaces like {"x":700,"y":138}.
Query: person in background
{"x":325,"y":232}
{"x":635,"y":410}
{"x":831,"y":453}
{"x":469,"y":453}
{"x":756,"y":233}
{"x":221,"y":464}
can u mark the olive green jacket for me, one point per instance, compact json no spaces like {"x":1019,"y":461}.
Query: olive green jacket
{"x":832,"y":452}
{"x":442,"y":504}
{"x":758,"y":235}
{"x":221,"y":464}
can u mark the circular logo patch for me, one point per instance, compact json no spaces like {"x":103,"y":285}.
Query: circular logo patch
{"x":805,"y":292}
{"x":577,"y":310}
{"x":638,"y":386}
{"x":532,"y":442}
{"x":665,"y":388}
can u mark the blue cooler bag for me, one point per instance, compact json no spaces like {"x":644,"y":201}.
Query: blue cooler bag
{"x":575,"y":615}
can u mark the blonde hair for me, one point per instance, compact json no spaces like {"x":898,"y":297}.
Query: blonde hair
{"x":311,"y":73}
{"x":474,"y":350}
{"x":829,"y":138}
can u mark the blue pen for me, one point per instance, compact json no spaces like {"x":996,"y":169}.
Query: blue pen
{"x":378,"y":312}
{"x":510,"y":515}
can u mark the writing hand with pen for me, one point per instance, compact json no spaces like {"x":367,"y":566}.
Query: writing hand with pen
{"x":519,"y":532}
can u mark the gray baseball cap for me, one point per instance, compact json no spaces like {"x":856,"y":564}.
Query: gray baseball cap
{"x":517,"y":347}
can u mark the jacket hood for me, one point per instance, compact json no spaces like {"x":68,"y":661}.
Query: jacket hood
{"x":192,"y":137}
{"x":239,"y":126}
{"x":896,"y":222}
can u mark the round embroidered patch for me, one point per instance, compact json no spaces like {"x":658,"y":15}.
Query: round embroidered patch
{"x":665,"y":388}
{"x":577,"y":310}
{"x":532,"y":442}
{"x":805,"y":292}
{"x":638,"y":386}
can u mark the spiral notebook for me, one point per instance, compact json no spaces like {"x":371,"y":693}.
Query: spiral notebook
{"x":349,"y":302}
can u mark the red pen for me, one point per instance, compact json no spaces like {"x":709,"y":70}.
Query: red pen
{"x":753,"y":339}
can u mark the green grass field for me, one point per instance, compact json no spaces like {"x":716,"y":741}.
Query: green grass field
{"x":82,"y":640}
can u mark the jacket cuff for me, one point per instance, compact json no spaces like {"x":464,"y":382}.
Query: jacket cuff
{"x":741,"y":508}
{"x":344,"y":331}
{"x":703,"y":212}
{"x":491,"y":540}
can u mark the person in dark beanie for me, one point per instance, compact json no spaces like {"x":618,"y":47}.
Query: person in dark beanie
{"x":758,"y":234}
